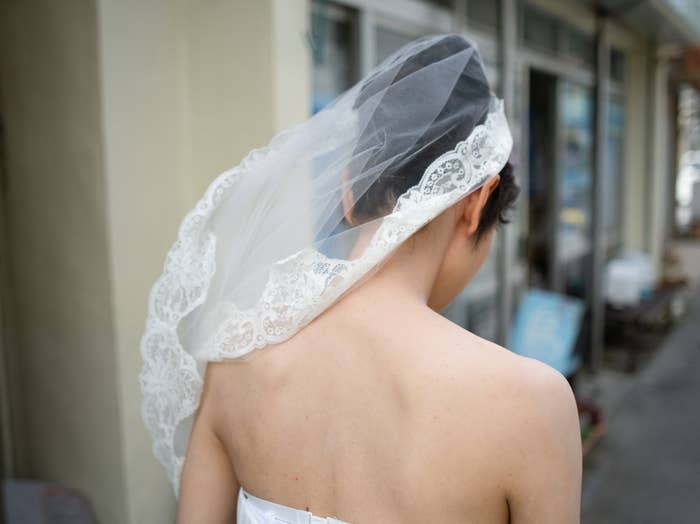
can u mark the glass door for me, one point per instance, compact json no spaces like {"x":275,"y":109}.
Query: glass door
{"x":560,"y":183}
{"x":332,"y":41}
{"x":574,"y":187}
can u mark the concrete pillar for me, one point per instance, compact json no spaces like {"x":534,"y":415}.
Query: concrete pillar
{"x":634,"y":187}
{"x":659,"y":151}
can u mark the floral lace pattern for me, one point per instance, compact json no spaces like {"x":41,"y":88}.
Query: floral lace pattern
{"x":298,"y":289}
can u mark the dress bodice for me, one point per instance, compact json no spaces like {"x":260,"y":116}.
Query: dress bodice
{"x":254,"y":510}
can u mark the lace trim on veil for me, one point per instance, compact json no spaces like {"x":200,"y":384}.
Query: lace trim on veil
{"x":298,"y":289}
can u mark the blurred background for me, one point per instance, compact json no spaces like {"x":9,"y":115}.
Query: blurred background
{"x":115,"y":116}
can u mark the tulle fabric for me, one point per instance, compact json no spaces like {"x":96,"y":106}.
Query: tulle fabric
{"x":277,"y":239}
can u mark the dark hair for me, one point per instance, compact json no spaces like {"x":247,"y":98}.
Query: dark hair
{"x":500,"y":202}
{"x":399,"y":172}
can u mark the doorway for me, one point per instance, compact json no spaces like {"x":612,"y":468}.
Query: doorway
{"x":561,"y":174}
{"x":540,"y":248}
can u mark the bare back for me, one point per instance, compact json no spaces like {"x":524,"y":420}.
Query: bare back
{"x":389,"y":420}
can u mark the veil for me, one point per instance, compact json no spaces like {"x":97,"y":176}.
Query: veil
{"x":280,"y":237}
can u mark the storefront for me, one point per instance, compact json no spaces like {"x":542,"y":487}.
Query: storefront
{"x":568,"y":76}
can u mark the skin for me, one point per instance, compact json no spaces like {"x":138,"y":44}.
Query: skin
{"x":381,"y":410}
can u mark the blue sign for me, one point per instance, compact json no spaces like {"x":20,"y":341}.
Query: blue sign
{"x":546,"y":327}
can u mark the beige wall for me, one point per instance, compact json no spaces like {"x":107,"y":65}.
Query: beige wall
{"x":60,"y":267}
{"x":249,"y":77}
{"x":187,"y":91}
{"x":117,"y":116}
{"x":145,"y":116}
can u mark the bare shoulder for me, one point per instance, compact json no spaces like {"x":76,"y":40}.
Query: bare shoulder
{"x":512,"y":419}
{"x":543,"y":456}
{"x":541,"y":401}
{"x":537,"y":385}
{"x":536,"y":434}
{"x":528,"y":427}
{"x":528,"y":404}
{"x":532,"y":398}
{"x":520,"y":382}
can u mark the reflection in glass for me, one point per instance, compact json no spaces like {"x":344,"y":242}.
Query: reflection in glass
{"x":612,"y":175}
{"x":576,"y":156}
{"x":574,"y":192}
{"x":389,"y":41}
{"x":334,"y":70}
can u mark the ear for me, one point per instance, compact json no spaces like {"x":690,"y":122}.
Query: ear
{"x":476,"y":203}
{"x":348,"y":199}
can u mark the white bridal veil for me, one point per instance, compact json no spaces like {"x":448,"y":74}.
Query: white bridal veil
{"x":277,"y":239}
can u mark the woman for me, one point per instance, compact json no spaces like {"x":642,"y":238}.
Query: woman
{"x":298,"y":318}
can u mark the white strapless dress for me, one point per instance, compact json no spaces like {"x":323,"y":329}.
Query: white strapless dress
{"x":254,"y":510}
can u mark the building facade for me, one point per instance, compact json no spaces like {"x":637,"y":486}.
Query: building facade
{"x":589,"y":93}
{"x":117,"y":115}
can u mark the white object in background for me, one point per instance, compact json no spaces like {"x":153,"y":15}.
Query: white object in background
{"x":628,"y":279}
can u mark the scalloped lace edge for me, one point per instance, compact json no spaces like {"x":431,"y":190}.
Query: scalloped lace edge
{"x":298,"y":289}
